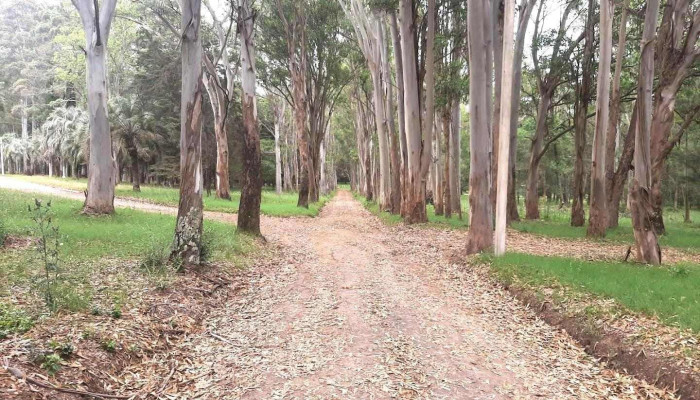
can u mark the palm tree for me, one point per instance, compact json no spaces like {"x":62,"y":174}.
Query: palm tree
{"x":64,"y":134}
{"x":133,"y":133}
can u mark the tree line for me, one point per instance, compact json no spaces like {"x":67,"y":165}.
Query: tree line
{"x":301,"y":94}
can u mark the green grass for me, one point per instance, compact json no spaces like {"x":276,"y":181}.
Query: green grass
{"x":433,"y":220}
{"x":284,"y":205}
{"x":555,"y":222}
{"x":670,"y":294}
{"x":126,"y":234}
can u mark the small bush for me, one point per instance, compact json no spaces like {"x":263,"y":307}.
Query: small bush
{"x":156,"y":264}
{"x":52,"y":363}
{"x":206,"y":247}
{"x":117,"y":313}
{"x":13,"y":320}
{"x":64,"y":350}
{"x":48,"y":251}
{"x":3,"y":234}
{"x":155,"y":258}
{"x":109,"y":346}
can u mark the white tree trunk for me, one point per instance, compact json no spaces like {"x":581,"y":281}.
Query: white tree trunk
{"x":640,"y":202}
{"x":598,"y":219}
{"x":480,"y":235}
{"x":279,"y":121}
{"x":188,"y":229}
{"x":251,"y":187}
{"x":418,"y":139}
{"x":455,"y":159}
{"x":101,"y":180}
{"x":504,"y":125}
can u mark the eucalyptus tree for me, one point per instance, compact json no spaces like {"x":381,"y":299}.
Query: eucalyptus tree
{"x":524,"y":14}
{"x":292,"y":18}
{"x":251,"y":188}
{"x":645,"y":236}
{"x":221,"y":90}
{"x":304,"y":62}
{"x":584,"y":95}
{"x":614,"y":118}
{"x":480,"y":236}
{"x":677,"y":52}
{"x":97,"y":22}
{"x":188,"y":228}
{"x":597,"y":223}
{"x":549,"y":73}
{"x":371,"y":37}
{"x":418,"y":130}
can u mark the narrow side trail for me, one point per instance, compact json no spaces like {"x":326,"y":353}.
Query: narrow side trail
{"x":353,"y":309}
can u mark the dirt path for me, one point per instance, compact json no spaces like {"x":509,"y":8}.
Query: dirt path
{"x":356,"y":310}
{"x":352,"y":309}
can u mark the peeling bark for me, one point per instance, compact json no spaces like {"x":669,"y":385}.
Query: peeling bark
{"x":251,"y":187}
{"x":188,"y":229}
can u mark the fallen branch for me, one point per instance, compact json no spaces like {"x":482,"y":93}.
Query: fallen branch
{"x":165,"y":382}
{"x":223,"y":339}
{"x":19,"y":374}
{"x":629,"y":252}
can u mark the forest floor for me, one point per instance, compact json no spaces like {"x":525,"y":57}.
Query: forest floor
{"x":351,"y":308}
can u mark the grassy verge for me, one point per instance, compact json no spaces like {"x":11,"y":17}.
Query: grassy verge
{"x":555,"y":222}
{"x":671,"y":295}
{"x":644,"y":321}
{"x":101,"y":259}
{"x":284,"y":205}
{"x":433,"y":220}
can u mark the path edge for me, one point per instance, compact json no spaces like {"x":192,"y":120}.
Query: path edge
{"x":610,"y":347}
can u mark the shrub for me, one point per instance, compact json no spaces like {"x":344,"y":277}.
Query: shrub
{"x":52,"y":363}
{"x":109,"y":346}
{"x":3,"y":234}
{"x":13,"y":320}
{"x":48,"y":246}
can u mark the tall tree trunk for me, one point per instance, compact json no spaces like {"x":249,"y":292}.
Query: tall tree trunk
{"x":418,"y":140}
{"x":447,"y":174}
{"x":621,"y":173}
{"x":438,"y":175}
{"x":480,"y":236}
{"x":219,"y":105}
{"x":525,"y":11}
{"x":380,"y":112}
{"x":288,"y":161}
{"x":497,"y":40}
{"x":251,"y":187}
{"x":648,"y":249}
{"x":398,"y":61}
{"x":598,"y":221}
{"x":279,"y":122}
{"x":675,"y":56}
{"x":503,"y":144}
{"x":25,"y":136}
{"x":101,"y":180}
{"x":613,"y":208}
{"x":455,"y":157}
{"x":295,"y":31}
{"x":188,"y":228}
{"x":578,"y":215}
{"x":532,"y":206}
{"x":395,"y":165}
